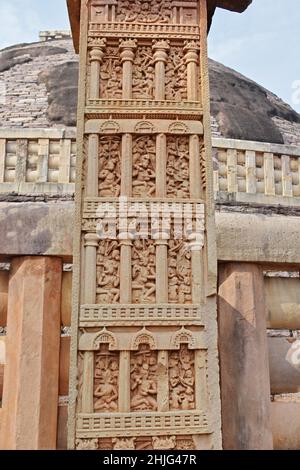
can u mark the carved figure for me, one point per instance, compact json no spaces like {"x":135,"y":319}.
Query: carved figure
{"x":144,"y":380}
{"x":179,"y":272}
{"x":176,"y":75}
{"x":110,"y":167}
{"x":143,"y":74}
{"x":182,"y":379}
{"x":143,"y":166}
{"x":178,"y":167}
{"x":143,"y":271}
{"x":106,"y":381}
{"x":108,"y":276}
{"x":111,"y":75}
{"x":144,"y":11}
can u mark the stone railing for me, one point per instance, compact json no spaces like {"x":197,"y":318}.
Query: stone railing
{"x":37,"y":161}
{"x":42,"y":161}
{"x":256,"y":172}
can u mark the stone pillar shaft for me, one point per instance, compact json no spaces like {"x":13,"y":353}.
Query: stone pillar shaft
{"x":91,"y":187}
{"x":161,"y":165}
{"x":191,"y":60}
{"x":124,"y":382}
{"x":96,"y":57}
{"x":30,"y":396}
{"x":127,"y":48}
{"x":244,"y":358}
{"x":160,"y":58}
{"x":90,"y":268}
{"x":162,"y":271}
{"x":126,"y":166}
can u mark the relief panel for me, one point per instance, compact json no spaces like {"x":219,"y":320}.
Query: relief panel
{"x":109,"y":166}
{"x":149,"y":11}
{"x":179,"y":272}
{"x":143,"y":271}
{"x":111,"y":74}
{"x":143,"y":74}
{"x":143,"y":175}
{"x":143,"y":379}
{"x":108,"y":275}
{"x":182,"y":379}
{"x":178,"y":167}
{"x":176,"y":75}
{"x":106,"y":381}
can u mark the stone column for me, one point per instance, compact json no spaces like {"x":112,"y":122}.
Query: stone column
{"x":96,"y":57}
{"x":87,"y":403}
{"x":191,"y":59}
{"x":124,"y":382}
{"x":245,"y":381}
{"x":162,"y":381}
{"x":161,"y":165}
{"x":162,"y":294}
{"x":198,"y":288}
{"x":160,"y":58}
{"x":195,"y":173}
{"x":30,"y":397}
{"x":127,"y":48}
{"x":90,"y":268}
{"x":126,"y":165}
{"x":125,"y":272}
{"x":91,"y":187}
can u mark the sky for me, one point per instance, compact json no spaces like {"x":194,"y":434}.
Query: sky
{"x":263,"y":43}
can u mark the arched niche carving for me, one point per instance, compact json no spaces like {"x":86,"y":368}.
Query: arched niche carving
{"x":143,"y":337}
{"x":178,"y":128}
{"x":183,"y":336}
{"x":105,"y":337}
{"x":144,"y":127}
{"x":110,"y":127}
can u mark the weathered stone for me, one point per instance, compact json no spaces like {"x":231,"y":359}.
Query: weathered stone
{"x":64,"y":365}
{"x":2,"y":364}
{"x":286,"y":425}
{"x":283,"y":303}
{"x":245,"y":386}
{"x":285,"y":378}
{"x":30,"y":395}
{"x":3,"y":297}
{"x":36,"y":229}
{"x":66,"y":299}
{"x":258,"y":238}
{"x":62,"y":423}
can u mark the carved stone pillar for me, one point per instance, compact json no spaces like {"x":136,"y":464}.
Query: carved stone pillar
{"x":96,"y":57}
{"x":125,"y":272}
{"x":162,"y":381}
{"x":91,"y":188}
{"x":161,"y":165}
{"x":191,"y":60}
{"x":197,"y":270}
{"x":30,"y":394}
{"x":90,"y":267}
{"x":87,"y":401}
{"x":195,"y":173}
{"x":124,"y":382}
{"x":160,"y":57}
{"x":126,"y":165}
{"x":127,"y":48}
{"x":162,"y":271}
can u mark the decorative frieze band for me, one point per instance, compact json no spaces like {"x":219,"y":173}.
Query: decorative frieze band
{"x":137,"y":315}
{"x":144,"y":30}
{"x":137,"y":424}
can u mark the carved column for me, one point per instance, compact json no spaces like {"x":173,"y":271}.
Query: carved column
{"x":195,"y":173}
{"x":96,"y":57}
{"x":90,"y":267}
{"x":162,"y":271}
{"x":160,"y":57}
{"x":162,"y":381}
{"x":87,"y":402}
{"x":197,"y":270}
{"x":161,"y":165}
{"x":126,"y":165}
{"x":191,"y":60}
{"x":91,"y":188}
{"x":124,"y":382}
{"x":127,"y":48}
{"x":125,"y":272}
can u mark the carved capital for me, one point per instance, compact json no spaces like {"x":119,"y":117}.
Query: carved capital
{"x":160,"y":49}
{"x":91,"y":239}
{"x":127,"y":48}
{"x":97,"y":46}
{"x":191,"y":49}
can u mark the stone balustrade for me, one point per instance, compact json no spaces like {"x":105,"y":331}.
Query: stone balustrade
{"x":43,"y":161}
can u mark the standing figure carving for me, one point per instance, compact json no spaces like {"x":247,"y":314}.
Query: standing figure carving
{"x":143,"y":167}
{"x":111,"y":75}
{"x":106,"y":381}
{"x":179,"y":272}
{"x":182,"y":379}
{"x":108,"y":272}
{"x":110,"y":167}
{"x":143,"y":271}
{"x":178,"y":167}
{"x":144,"y":380}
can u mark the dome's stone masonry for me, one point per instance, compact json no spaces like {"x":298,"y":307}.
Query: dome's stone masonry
{"x":41,"y":91}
